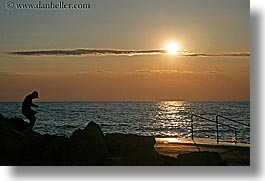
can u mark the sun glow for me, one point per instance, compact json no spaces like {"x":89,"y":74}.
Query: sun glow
{"x":172,"y":48}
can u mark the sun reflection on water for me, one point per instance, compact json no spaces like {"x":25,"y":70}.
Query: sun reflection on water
{"x":174,"y":117}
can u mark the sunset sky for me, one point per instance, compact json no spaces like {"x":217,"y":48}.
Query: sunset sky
{"x":117,"y":51}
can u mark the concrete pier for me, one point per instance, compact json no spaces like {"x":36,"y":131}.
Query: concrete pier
{"x":233,"y":154}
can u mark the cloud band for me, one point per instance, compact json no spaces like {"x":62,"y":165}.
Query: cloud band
{"x":113,"y":52}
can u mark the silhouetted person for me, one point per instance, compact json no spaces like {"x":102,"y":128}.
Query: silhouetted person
{"x":26,"y":108}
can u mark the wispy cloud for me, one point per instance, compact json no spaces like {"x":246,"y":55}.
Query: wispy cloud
{"x":114,"y":52}
{"x":2,"y":73}
{"x":162,"y":71}
{"x":176,"y":72}
{"x":183,"y":74}
{"x":233,"y":54}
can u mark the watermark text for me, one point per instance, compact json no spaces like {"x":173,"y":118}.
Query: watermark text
{"x":60,"y":5}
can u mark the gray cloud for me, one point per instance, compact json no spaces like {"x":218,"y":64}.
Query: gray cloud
{"x":90,"y":52}
{"x":113,"y":52}
{"x":240,"y":54}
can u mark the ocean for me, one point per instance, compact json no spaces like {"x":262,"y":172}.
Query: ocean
{"x":160,"y":119}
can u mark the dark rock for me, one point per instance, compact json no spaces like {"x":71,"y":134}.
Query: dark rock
{"x":124,"y":144}
{"x":8,"y":133}
{"x":169,"y":161}
{"x":20,"y":150}
{"x":130,"y":149}
{"x":16,"y":123}
{"x":4,"y":122}
{"x":30,"y":150}
{"x":9,"y":138}
{"x":200,"y":159}
{"x":1,"y":117}
{"x":19,"y":146}
{"x":86,"y":147}
{"x":144,"y":156}
{"x":53,"y":151}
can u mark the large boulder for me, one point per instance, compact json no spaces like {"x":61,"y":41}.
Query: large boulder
{"x":8,"y":133}
{"x":145,"y":156}
{"x":200,"y":159}
{"x":25,"y":147}
{"x":1,"y":117}
{"x":8,"y":139}
{"x":22,"y":149}
{"x":16,"y":123}
{"x":86,"y":147}
{"x":30,"y":149}
{"x":126,"y":144}
{"x":4,"y":123}
{"x":169,"y":161}
{"x":132,"y":150}
{"x":52,"y":154}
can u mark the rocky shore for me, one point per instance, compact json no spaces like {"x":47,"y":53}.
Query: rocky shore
{"x":22,"y":146}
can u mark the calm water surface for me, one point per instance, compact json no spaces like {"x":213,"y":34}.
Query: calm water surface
{"x":169,"y":118}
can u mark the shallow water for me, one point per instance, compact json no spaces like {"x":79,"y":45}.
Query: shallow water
{"x":169,"y":118}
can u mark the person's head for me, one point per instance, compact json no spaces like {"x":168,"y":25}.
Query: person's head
{"x":35,"y":94}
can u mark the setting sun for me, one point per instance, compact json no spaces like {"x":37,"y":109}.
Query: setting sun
{"x":172,"y":48}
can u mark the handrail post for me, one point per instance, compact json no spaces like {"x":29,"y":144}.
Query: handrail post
{"x":191,"y":126}
{"x":217,"y":129}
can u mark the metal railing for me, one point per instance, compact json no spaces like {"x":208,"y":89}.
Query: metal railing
{"x":217,"y":123}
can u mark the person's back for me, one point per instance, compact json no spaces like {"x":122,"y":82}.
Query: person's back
{"x":26,"y":108}
{"x":26,"y":104}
